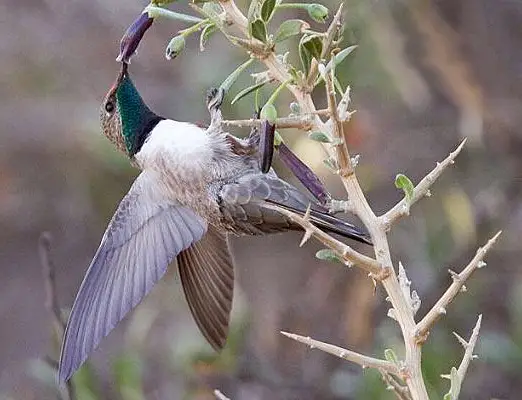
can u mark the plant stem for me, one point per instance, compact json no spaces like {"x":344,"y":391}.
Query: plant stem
{"x":155,"y":12}
{"x":194,"y":28}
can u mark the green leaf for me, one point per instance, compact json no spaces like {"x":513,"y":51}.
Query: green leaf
{"x":247,"y":91}
{"x":257,"y":29}
{"x":207,"y":32}
{"x":162,"y":3}
{"x":227,"y":83}
{"x":390,"y":356}
{"x":314,"y":45}
{"x":290,"y":28}
{"x":331,"y":164}
{"x":404,"y":183}
{"x":328,"y":255}
{"x":320,"y":137}
{"x":267,"y":9}
{"x":317,"y":12}
{"x":269,"y":113}
{"x":310,"y":47}
{"x":336,"y":60}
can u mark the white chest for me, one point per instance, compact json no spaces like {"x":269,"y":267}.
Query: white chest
{"x":176,"y":146}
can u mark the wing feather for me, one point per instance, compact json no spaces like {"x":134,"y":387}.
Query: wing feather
{"x":144,"y":236}
{"x":207,"y":275}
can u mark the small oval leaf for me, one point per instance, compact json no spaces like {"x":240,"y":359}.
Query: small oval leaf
{"x":317,"y":12}
{"x":404,"y":183}
{"x":267,"y":10}
{"x":257,"y":30}
{"x":328,"y":255}
{"x":269,"y":113}
{"x":314,"y":44}
{"x":290,"y":28}
{"x":310,"y":47}
{"x":390,"y":356}
{"x":320,"y":137}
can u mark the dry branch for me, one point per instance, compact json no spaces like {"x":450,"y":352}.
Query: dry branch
{"x":439,"y":309}
{"x":343,"y":251}
{"x":469,"y":347}
{"x":304,"y":123}
{"x":402,"y":208}
{"x":357,"y":358}
{"x":401,"y":392}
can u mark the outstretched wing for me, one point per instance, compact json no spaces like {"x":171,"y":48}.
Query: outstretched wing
{"x":145,"y":234}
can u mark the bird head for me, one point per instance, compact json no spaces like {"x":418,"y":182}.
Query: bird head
{"x":125,"y":118}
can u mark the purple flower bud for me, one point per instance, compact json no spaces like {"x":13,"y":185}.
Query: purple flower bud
{"x":132,"y":37}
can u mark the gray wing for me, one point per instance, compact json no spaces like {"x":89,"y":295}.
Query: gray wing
{"x":207,"y":276}
{"x":145,"y":234}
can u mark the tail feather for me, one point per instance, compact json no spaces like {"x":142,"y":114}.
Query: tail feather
{"x":332,"y":224}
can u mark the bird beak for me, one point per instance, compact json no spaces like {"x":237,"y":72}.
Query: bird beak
{"x":121,"y":76}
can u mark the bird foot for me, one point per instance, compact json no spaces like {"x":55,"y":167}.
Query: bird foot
{"x":215,"y":97}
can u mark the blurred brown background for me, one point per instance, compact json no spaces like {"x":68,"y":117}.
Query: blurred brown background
{"x":426,"y":74}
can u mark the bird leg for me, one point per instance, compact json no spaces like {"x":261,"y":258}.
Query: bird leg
{"x":214,"y":102}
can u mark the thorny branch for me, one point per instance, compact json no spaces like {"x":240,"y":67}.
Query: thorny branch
{"x":402,"y":208}
{"x":401,"y":392}
{"x":304,"y":123}
{"x":439,"y":309}
{"x":380,"y":267}
{"x":377,"y":226}
{"x":362,"y":360}
{"x":343,"y":251}
{"x":469,"y":347}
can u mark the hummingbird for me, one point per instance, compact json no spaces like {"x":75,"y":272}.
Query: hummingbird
{"x":196,"y":186}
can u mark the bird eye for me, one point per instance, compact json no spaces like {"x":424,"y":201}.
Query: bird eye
{"x":109,"y":106}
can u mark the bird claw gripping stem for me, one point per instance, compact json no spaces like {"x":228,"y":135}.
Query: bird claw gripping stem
{"x":214,"y":100}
